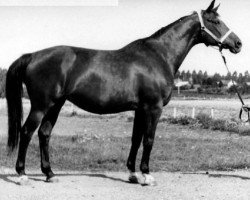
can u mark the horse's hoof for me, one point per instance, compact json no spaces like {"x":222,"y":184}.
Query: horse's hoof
{"x":52,"y":180}
{"x":23,"y":180}
{"x":148,"y":180}
{"x":133,"y":177}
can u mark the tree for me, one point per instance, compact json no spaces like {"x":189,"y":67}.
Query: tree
{"x":228,"y":76}
{"x":205,"y":75}
{"x":177,"y":75}
{"x":216,"y":77}
{"x":210,"y":81}
{"x":235,"y":76}
{"x":194,"y":76}
{"x":200,"y":77}
{"x":240,"y":79}
{"x":183,"y":75}
{"x":188,"y":75}
{"x":246,"y":76}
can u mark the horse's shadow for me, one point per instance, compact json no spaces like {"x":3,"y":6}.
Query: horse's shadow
{"x":5,"y":177}
{"x":40,"y":178}
{"x":218,"y":175}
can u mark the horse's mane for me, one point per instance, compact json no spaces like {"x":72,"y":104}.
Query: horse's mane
{"x":164,"y":29}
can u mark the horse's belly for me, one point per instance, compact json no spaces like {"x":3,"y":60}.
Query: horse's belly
{"x":102,"y":104}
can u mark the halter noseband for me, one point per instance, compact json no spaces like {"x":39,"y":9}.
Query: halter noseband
{"x":204,"y":28}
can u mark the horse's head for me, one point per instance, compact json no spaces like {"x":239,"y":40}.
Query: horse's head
{"x":215,"y":32}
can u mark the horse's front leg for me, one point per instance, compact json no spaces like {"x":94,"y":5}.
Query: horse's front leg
{"x":153,"y":114}
{"x":138,"y":130}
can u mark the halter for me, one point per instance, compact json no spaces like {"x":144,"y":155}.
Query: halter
{"x":204,"y":28}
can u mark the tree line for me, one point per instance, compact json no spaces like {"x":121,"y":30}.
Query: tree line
{"x":203,"y":78}
{"x":216,"y":82}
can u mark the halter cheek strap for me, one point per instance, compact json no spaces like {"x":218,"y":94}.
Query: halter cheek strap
{"x":203,"y":27}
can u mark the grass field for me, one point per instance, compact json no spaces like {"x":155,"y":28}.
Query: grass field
{"x":87,"y":142}
{"x":187,"y":150}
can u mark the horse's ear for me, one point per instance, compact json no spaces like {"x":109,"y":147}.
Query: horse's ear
{"x":211,"y":6}
{"x":215,"y":9}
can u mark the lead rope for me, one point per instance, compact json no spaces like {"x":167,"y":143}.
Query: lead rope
{"x":243,"y":107}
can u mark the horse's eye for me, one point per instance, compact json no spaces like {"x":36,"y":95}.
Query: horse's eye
{"x":213,"y":21}
{"x":210,"y":20}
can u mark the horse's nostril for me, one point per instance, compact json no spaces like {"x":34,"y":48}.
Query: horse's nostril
{"x":238,"y":44}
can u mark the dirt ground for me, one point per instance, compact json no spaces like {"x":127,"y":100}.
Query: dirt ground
{"x":92,"y":186}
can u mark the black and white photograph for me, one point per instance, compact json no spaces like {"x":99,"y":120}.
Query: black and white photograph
{"x":124,"y":99}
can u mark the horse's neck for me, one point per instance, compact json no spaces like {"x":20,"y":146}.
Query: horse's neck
{"x":175,"y":41}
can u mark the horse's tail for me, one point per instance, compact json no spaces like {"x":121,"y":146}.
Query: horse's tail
{"x":14,"y":90}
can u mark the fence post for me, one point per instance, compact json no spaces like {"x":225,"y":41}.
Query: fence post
{"x":174,"y":112}
{"x":193,"y":112}
{"x":212,"y":113}
{"x":72,"y":108}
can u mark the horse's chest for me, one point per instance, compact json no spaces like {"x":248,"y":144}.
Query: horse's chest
{"x":166,"y":94}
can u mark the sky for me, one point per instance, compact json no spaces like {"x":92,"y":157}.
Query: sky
{"x":27,"y":29}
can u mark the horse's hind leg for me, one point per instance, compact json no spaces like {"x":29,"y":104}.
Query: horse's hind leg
{"x":30,"y":125}
{"x":44,"y":134}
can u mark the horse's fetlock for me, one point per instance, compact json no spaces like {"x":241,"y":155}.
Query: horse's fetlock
{"x":144,"y":168}
{"x":131,"y":166}
{"x":20,"y":169}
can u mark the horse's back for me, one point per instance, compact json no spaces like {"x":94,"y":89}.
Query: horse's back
{"x":72,"y":72}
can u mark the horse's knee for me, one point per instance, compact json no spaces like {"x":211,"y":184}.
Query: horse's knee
{"x":148,"y":143}
{"x":45,"y":130}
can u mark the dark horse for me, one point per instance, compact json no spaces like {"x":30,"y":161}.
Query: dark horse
{"x":136,"y":77}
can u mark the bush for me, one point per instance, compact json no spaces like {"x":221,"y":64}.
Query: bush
{"x":218,"y":124}
{"x":183,"y":120}
{"x":206,"y":122}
